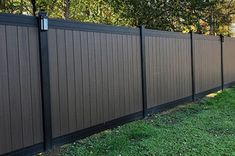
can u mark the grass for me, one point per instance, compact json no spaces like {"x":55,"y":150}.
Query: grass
{"x":205,"y":128}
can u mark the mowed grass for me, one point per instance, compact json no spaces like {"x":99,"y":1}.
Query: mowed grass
{"x":205,"y":128}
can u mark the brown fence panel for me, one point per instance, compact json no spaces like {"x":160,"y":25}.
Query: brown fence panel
{"x":95,"y":76}
{"x":229,"y":60}
{"x":168,"y":67}
{"x":20,"y":94}
{"x":207,"y":63}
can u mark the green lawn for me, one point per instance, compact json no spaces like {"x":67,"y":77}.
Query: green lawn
{"x":204,"y":128}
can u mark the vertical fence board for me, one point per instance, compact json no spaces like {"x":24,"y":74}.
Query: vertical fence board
{"x":5,"y":112}
{"x":229,"y":63}
{"x":126,"y":82}
{"x":160,"y":70}
{"x":130,"y":72}
{"x":35,"y":85}
{"x":92,"y":76}
{"x":14,"y":87}
{"x":177,"y":67}
{"x":25,"y":85}
{"x":207,"y":63}
{"x":147,"y":68}
{"x":138,"y":76}
{"x":99,"y":89}
{"x":86,"y":87}
{"x":70,"y":80}
{"x":167,"y":71}
{"x":20,"y":88}
{"x":104,"y":73}
{"x":121,"y":108}
{"x":78,"y":79}
{"x":115,"y":75}
{"x":62,"y":72}
{"x":110,"y":77}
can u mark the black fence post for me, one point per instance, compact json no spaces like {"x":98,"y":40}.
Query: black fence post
{"x":222,"y":61}
{"x":45,"y":79}
{"x":143,"y":70}
{"x":192,"y":66}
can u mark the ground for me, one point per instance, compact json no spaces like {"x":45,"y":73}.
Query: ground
{"x":203,"y":128}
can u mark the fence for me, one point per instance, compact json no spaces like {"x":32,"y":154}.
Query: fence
{"x":77,"y":79}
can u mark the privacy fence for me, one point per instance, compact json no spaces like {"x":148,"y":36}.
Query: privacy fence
{"x":75,"y":79}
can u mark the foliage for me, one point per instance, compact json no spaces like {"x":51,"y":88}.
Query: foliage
{"x":205,"y":128}
{"x":98,"y":11}
{"x":202,"y":16}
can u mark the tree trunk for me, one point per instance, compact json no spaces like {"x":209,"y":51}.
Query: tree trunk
{"x":3,"y":5}
{"x":211,"y":24}
{"x":21,"y":7}
{"x":66,"y":9}
{"x":34,"y":8}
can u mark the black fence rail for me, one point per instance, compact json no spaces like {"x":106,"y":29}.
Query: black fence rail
{"x":75,"y":79}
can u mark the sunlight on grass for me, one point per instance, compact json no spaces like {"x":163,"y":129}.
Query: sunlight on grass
{"x":213,"y":94}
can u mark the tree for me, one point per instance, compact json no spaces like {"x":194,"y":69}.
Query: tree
{"x":202,"y":16}
{"x":12,"y":6}
{"x":98,"y":11}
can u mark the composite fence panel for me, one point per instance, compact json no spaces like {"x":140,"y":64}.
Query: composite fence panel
{"x":168,"y":67}
{"x":229,"y":60}
{"x":95,"y":76}
{"x":207,"y":63}
{"x":20,"y":93}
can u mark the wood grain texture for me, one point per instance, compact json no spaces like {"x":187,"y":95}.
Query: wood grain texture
{"x":35,"y":84}
{"x":168,"y":69}
{"x":20,"y":92}
{"x":14,"y":87}
{"x":25,"y":86}
{"x":207,"y":61}
{"x":5,"y":112}
{"x":229,"y":63}
{"x":95,"y":78}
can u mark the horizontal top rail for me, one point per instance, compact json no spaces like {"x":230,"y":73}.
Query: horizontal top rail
{"x":18,"y":20}
{"x":75,"y":25}
{"x":206,"y":37}
{"x":170,"y":34}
